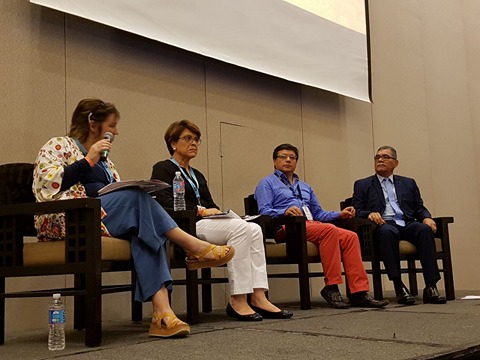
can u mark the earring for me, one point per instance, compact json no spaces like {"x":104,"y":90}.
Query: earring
{"x":174,"y":149}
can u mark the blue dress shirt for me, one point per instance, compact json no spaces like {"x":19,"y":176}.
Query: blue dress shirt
{"x":275,"y":195}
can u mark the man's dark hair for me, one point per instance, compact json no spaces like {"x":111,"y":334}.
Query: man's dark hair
{"x":284,"y":147}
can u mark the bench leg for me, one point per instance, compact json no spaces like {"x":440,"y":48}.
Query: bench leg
{"x":192,"y":296}
{"x":206,"y":291}
{"x":2,"y":311}
{"x":377,"y":280}
{"x":304,"y":283}
{"x":79,"y":303}
{"x":412,"y":277}
{"x":137,"y":307}
{"x":448,"y":278}
{"x":93,"y":308}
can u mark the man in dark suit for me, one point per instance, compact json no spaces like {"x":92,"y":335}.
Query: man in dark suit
{"x":394,"y":203}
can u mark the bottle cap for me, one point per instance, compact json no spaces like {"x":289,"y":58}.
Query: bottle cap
{"x":177,"y":173}
{"x":56,"y":296}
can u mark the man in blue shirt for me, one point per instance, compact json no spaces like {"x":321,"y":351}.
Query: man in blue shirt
{"x":283,"y":193}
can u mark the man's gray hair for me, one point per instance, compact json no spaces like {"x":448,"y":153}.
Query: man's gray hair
{"x":392,"y":150}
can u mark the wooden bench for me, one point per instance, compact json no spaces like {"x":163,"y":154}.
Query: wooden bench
{"x":85,"y":254}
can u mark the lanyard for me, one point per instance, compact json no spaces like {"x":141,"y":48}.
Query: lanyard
{"x":102,"y":164}
{"x":193,"y":184}
{"x":287,"y":184}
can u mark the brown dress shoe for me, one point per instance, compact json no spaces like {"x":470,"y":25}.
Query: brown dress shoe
{"x":362,"y":299}
{"x":333,"y":298}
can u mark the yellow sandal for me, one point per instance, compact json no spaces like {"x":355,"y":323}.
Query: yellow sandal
{"x":198,"y":261}
{"x":173,"y":328}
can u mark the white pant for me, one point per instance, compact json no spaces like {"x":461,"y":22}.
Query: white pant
{"x":247,"y":270}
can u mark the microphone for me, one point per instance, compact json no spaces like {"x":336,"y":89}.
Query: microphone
{"x":109,"y":136}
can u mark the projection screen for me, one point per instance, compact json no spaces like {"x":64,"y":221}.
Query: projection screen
{"x":320,"y":43}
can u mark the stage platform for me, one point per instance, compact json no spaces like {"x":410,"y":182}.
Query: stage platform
{"x":450,"y":331}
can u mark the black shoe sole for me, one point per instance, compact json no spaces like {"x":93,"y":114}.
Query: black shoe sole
{"x":251,"y":317}
{"x":376,"y":305}
{"x":406,"y":301}
{"x":438,"y":301}
{"x":282,"y":314}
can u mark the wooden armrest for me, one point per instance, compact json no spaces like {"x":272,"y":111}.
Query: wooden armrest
{"x":442,"y":225}
{"x":365,"y":230}
{"x":49,"y":207}
{"x":264,"y":222}
{"x":182,"y":214}
{"x":288,"y":220}
{"x":185,"y":219}
{"x":442,"y":231}
{"x":444,"y":219}
{"x":261,"y":220}
{"x":295,"y":234}
{"x":282,"y":220}
{"x":82,"y":226}
{"x":353,"y":224}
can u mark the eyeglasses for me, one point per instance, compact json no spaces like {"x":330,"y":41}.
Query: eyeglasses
{"x":285,"y":157}
{"x":189,"y":139}
{"x":383,"y":157}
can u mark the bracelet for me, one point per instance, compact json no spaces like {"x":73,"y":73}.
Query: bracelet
{"x":201,"y":211}
{"x":90,"y":161}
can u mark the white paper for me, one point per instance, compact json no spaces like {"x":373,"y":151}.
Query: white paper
{"x":229,"y":214}
{"x":250,"y":217}
{"x":146,"y":185}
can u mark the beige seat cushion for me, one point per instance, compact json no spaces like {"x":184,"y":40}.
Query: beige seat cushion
{"x":53,"y":252}
{"x":279,"y":250}
{"x":407,"y":248}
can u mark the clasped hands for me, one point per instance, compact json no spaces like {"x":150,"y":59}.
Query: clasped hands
{"x":347,"y":213}
{"x":377,"y":219}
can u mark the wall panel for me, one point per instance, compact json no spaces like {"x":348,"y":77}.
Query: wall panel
{"x":32,"y":94}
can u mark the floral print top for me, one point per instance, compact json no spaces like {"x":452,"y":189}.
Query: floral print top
{"x":57,"y":153}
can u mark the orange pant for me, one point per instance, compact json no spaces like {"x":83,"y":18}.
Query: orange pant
{"x":337,"y":245}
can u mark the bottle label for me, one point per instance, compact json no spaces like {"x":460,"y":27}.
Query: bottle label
{"x":178,"y":186}
{"x":56,"y":317}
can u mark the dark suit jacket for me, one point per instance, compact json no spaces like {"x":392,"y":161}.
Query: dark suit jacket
{"x":368,"y":197}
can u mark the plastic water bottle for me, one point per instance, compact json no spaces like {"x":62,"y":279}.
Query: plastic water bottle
{"x":178,"y":192}
{"x":56,"y":324}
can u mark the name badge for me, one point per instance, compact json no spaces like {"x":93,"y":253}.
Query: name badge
{"x":307,"y":212}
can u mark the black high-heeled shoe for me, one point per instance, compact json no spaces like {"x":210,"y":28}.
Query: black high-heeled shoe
{"x":282,"y":314}
{"x":250,"y":317}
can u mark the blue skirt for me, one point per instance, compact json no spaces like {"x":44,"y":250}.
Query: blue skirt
{"x":134,"y":215}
